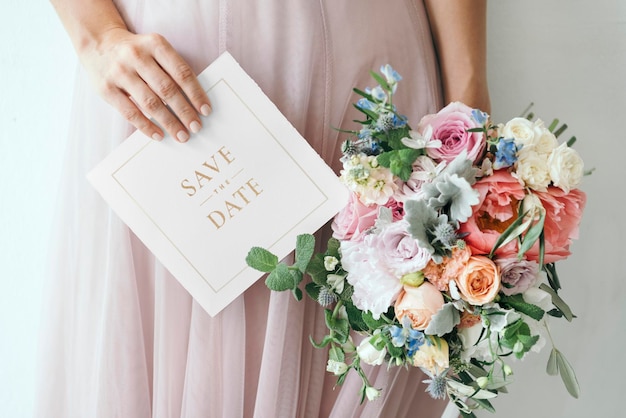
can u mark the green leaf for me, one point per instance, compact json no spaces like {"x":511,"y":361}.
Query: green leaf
{"x":532,"y":235}
{"x":567,"y":375}
{"x":558,"y":302}
{"x":367,"y":112}
{"x":316,"y":270}
{"x":513,"y":231}
{"x":394,"y":138}
{"x":332,"y":248}
{"x":371,"y":322}
{"x":280,"y":279}
{"x":305,"y":246}
{"x":443,"y":321}
{"x":571,"y":141}
{"x":336,"y":354}
{"x":400,"y":162}
{"x":339,"y":326}
{"x":552,"y":367}
{"x":313,"y":290}
{"x":363,"y":94}
{"x":355,"y":317}
{"x":517,"y":302}
{"x":485,"y":404}
{"x":325,"y":341}
{"x":262,"y":260}
{"x":297,"y":293}
{"x":553,"y":277}
{"x":380,"y":80}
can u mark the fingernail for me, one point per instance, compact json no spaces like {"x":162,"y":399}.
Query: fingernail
{"x":194,"y":126}
{"x":205,"y":110}
{"x":182,"y":136}
{"x":157,"y":136}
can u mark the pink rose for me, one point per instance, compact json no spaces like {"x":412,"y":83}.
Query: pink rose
{"x":397,"y":250}
{"x":419,"y":304}
{"x":500,"y":194}
{"x":479,"y":282}
{"x":563,"y":214}
{"x":450,"y":126}
{"x":517,"y":275}
{"x":354,"y":219}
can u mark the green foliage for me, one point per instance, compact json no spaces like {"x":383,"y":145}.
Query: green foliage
{"x":517,"y":302}
{"x":400,"y":162}
{"x":261,"y":259}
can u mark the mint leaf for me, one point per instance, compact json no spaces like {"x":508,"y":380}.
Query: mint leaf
{"x":262,"y":260}
{"x":280,"y":279}
{"x":517,"y":302}
{"x":305,"y":246}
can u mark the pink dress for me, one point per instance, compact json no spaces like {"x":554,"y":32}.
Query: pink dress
{"x":121,"y":337}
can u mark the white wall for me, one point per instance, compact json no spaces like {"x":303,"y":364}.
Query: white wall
{"x":36,"y":75}
{"x":567,"y":57}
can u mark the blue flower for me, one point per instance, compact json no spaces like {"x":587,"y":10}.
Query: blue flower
{"x":480,"y":116}
{"x":378,"y":93}
{"x":406,"y":336}
{"x":390,"y":74}
{"x":506,"y":153}
{"x":363,"y":103}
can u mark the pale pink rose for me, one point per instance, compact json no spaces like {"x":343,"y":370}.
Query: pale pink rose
{"x":479,"y":282}
{"x":499,"y":196}
{"x":419,"y":304}
{"x":354,"y":220}
{"x":450,"y":126}
{"x":398,"y":250}
{"x":519,"y":275}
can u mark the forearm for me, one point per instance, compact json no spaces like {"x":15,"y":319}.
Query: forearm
{"x":460,"y":35}
{"x":88,"y":21}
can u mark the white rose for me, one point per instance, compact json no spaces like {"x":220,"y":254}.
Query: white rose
{"x":370,"y":354}
{"x":520,"y":129}
{"x":532,"y":170}
{"x":544,"y":143}
{"x":566,"y":167}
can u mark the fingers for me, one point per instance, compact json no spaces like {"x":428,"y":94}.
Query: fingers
{"x":145,"y":78}
{"x":175,"y":83}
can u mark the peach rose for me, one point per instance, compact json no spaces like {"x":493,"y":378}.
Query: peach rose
{"x":354,"y":219}
{"x":419,"y":304}
{"x":479,"y":282}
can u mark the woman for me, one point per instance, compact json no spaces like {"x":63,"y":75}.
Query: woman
{"x":122,"y":337}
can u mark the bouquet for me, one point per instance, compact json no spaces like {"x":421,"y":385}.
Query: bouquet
{"x":444,"y":256}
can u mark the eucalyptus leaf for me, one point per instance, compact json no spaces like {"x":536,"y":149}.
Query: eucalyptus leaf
{"x":532,"y":235}
{"x":280,"y":279}
{"x":558,"y":302}
{"x":469,"y":391}
{"x":305,"y":246}
{"x":513,"y":231}
{"x":261,"y":259}
{"x":568,"y":375}
{"x":443,"y":321}
{"x":552,"y":367}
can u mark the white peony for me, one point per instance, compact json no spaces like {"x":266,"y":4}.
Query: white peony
{"x":566,"y":167}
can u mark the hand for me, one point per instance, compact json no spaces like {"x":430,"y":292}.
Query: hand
{"x":140,"y":74}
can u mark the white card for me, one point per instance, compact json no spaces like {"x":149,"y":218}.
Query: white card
{"x":248,"y":178}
